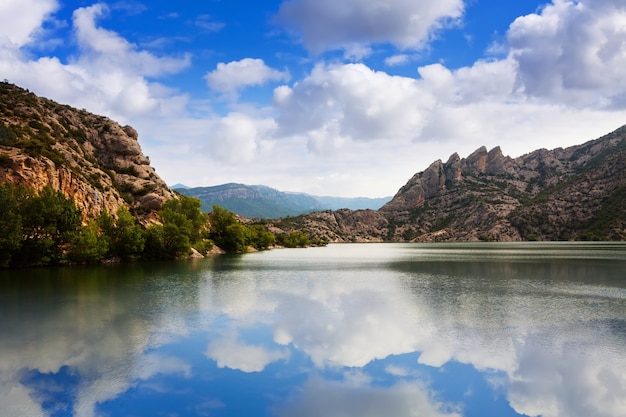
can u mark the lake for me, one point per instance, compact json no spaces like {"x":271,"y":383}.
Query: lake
{"x":380,"y":330}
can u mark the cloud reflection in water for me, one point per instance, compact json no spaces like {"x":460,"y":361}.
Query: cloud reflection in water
{"x":203,"y":337}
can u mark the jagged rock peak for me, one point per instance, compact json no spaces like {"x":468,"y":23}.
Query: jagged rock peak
{"x":477,"y":161}
{"x":453,"y":167}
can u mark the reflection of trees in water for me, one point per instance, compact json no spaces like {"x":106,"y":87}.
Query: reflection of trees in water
{"x":93,"y":323}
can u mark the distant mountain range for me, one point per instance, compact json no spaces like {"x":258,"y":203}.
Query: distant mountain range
{"x":259,"y":201}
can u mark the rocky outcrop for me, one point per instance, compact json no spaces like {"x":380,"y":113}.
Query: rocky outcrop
{"x":90,"y":158}
{"x":573,"y":193}
{"x":339,"y":226}
{"x":561,"y":194}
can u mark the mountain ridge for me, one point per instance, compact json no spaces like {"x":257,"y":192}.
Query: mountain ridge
{"x":574,"y":193}
{"x":260,"y":201}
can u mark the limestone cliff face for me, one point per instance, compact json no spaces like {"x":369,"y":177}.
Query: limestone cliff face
{"x":439,"y":177}
{"x":560,"y":194}
{"x":90,"y":158}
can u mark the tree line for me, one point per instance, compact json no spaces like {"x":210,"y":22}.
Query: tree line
{"x":47,"y":229}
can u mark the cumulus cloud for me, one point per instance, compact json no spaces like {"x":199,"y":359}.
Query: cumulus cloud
{"x":228,"y":78}
{"x":326,"y":24}
{"x":573,"y":52}
{"x":398,"y":59}
{"x":20,"y":20}
{"x":108,"y":76}
{"x":352,"y":101}
{"x":236,"y":138}
{"x":107,"y":48}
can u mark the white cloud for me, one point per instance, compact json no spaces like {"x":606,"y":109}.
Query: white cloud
{"x":20,"y":20}
{"x":573,"y":53}
{"x":356,"y":52}
{"x":407,"y":24}
{"x":352,"y":101}
{"x":234,"y":76}
{"x":236,"y":138}
{"x":398,"y":59}
{"x":109,"y":76}
{"x":108,"y":49}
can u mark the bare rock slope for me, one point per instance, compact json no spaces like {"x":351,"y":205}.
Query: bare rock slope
{"x":90,"y":158}
{"x":577,"y":193}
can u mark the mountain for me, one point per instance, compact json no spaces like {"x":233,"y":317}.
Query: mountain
{"x":259,"y":201}
{"x":576,"y":193}
{"x":173,"y":187}
{"x":90,"y":158}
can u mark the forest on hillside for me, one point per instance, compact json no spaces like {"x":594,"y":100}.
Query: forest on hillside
{"x":48,"y":229}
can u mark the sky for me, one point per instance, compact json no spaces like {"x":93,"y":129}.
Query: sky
{"x":340,"y":98}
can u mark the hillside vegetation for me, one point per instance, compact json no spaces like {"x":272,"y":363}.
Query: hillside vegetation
{"x":76,"y":188}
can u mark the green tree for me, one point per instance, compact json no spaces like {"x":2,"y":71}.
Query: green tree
{"x":260,"y":237}
{"x":236,"y":238}
{"x":89,"y":246}
{"x":125,"y":238}
{"x":190,"y":208}
{"x":177,"y":232}
{"x":50,"y":223}
{"x":183,"y":225}
{"x":294,"y":239}
{"x":220,"y":219}
{"x":10,"y":225}
{"x":154,"y":247}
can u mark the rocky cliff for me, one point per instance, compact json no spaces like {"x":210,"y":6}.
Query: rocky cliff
{"x":562,"y":194}
{"x":577,"y":193}
{"x":90,"y":158}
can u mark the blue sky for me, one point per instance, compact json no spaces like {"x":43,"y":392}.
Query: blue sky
{"x":344,"y":98}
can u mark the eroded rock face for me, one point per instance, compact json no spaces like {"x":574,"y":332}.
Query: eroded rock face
{"x":561,"y":194}
{"x":342,"y":226}
{"x":90,"y":158}
{"x":557,"y":194}
{"x":439,"y":177}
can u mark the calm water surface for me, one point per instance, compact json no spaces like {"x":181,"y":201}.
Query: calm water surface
{"x":380,"y":330}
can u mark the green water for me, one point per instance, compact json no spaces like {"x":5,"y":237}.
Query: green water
{"x":344,"y":330}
